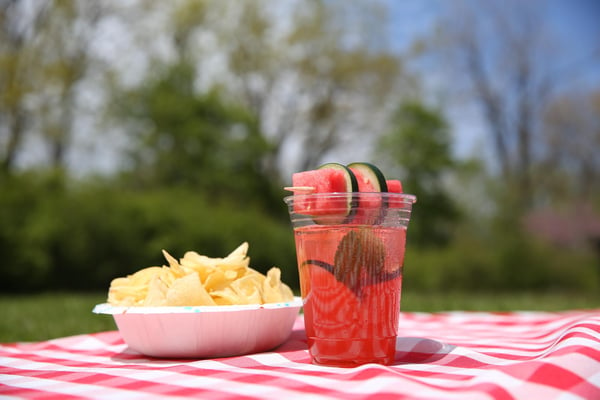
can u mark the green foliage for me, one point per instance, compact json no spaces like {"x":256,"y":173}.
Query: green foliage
{"x":83,"y":236}
{"x":479,"y":262}
{"x":185,"y":139}
{"x":482,"y":248}
{"x":59,"y":234}
{"x":419,"y":144}
{"x":27,"y":224}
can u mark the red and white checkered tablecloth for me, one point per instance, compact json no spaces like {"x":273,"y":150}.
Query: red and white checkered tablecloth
{"x":457,"y":355}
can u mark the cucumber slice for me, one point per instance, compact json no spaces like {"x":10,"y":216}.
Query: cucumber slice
{"x":372,"y":173}
{"x":351,"y":182}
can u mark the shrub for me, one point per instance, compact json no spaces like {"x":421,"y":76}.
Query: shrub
{"x":500,"y":263}
{"x":84,"y":236}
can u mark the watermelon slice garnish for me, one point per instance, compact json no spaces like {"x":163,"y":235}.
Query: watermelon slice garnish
{"x":369,"y":177}
{"x":319,"y":181}
{"x":328,"y":178}
{"x":349,"y":179}
{"x":394,"y":186}
{"x":337,"y":178}
{"x":370,"y":180}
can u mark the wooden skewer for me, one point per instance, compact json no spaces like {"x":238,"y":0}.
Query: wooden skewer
{"x":308,"y":189}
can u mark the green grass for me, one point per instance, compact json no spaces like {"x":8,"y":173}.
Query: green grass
{"x":517,"y":301}
{"x":51,"y":315}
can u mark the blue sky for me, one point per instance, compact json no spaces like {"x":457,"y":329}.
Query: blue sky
{"x":573,"y":28}
{"x":575,"y":23}
{"x":577,"y":20}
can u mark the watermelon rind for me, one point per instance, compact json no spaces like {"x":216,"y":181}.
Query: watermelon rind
{"x":372,"y":173}
{"x":351,"y":181}
{"x":376,"y":178}
{"x":351,"y":187}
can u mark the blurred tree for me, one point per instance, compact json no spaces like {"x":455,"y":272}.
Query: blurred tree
{"x":318,"y":75}
{"x":504,"y":52}
{"x":570,"y":168}
{"x":419,"y":144}
{"x":44,"y":55}
{"x":315,"y":74}
{"x":64,"y":51}
{"x":346,"y":75}
{"x":183,"y":138}
{"x":16,"y":64}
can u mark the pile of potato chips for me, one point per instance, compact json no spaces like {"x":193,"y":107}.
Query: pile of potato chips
{"x":198,"y":280}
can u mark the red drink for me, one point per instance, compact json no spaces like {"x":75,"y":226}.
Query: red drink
{"x":350,"y":277}
{"x":350,"y":249}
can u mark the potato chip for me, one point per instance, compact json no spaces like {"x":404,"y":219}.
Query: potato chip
{"x":217,"y":280}
{"x":188,"y":291}
{"x":157,"y":293}
{"x":273,"y":289}
{"x":249,"y":288}
{"x":200,"y":280}
{"x":131,"y":290}
{"x":175,"y":268}
{"x":226,"y":297}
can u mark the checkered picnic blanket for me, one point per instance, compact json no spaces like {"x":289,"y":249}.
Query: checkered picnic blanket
{"x":455,"y":355}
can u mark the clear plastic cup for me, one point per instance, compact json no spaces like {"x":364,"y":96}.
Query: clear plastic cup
{"x":350,"y":251}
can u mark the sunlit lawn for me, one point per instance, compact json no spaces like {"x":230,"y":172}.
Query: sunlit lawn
{"x":50,"y":315}
{"x":517,"y":301}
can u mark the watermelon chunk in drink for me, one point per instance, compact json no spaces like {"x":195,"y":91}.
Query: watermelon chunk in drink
{"x":328,"y":180}
{"x":337,"y":178}
{"x":323,"y":181}
{"x":394,"y":186}
{"x":333,"y":179}
{"x":369,"y":206}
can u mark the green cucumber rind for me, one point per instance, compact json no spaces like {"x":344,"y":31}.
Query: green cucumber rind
{"x":377,"y":178}
{"x":373,"y":172}
{"x":351,"y":186}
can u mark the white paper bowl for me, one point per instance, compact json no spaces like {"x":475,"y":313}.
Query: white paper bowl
{"x":204,"y":331}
